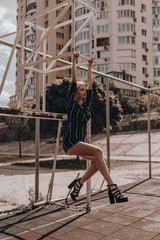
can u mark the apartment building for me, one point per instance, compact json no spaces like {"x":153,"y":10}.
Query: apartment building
{"x":156,"y":40}
{"x":123,"y":42}
{"x":123,"y":38}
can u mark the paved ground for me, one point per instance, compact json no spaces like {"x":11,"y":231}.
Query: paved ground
{"x":139,"y":219}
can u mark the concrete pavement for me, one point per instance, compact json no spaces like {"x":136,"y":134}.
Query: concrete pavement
{"x":139,"y":219}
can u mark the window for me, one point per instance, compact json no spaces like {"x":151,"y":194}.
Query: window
{"x":46,"y":24}
{"x":126,"y":40}
{"x":144,"y":32}
{"x":102,"y":54}
{"x":156,"y":72}
{"x":46,"y":3}
{"x":59,"y":46}
{"x":102,"y":28}
{"x":84,"y":48}
{"x":127,"y":67}
{"x":143,"y":7}
{"x":144,"y":83}
{"x":102,"y":68}
{"x":144,"y":58}
{"x":127,"y":2}
{"x":126,"y":53}
{"x":102,"y":15}
{"x":144,"y":70}
{"x":126,"y":13}
{"x":60,"y":35}
{"x":101,"y":4}
{"x":143,"y":19}
{"x":156,"y":60}
{"x":129,"y":93}
{"x":126,"y":27}
{"x":144,"y":45}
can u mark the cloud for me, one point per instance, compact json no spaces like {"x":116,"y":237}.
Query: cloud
{"x":4,"y":99}
{"x":7,"y":21}
{"x":9,"y":4}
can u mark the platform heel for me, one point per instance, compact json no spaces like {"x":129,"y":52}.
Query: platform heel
{"x":115,"y":194}
{"x":77,"y":187}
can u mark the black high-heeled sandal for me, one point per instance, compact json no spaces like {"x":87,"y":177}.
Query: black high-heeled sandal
{"x":77,"y":187}
{"x":115,"y":195}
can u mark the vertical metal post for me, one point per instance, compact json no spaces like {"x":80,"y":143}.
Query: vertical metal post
{"x":107,"y":123}
{"x":88,"y":203}
{"x":50,"y":189}
{"x":44,"y":77}
{"x":37,"y":140}
{"x":22,"y":75}
{"x":149,"y":135}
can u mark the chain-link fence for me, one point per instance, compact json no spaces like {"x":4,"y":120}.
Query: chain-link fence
{"x":128,"y":149}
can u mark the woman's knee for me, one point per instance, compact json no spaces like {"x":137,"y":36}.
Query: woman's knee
{"x":98,"y":152}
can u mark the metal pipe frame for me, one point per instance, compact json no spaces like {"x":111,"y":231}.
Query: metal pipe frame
{"x":70,"y":41}
{"x":49,"y":30}
{"x":148,"y":90}
{"x":7,"y":35}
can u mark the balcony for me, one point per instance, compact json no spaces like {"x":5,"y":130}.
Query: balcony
{"x":31,"y":4}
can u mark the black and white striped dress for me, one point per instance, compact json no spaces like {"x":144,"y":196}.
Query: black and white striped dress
{"x":77,"y":118}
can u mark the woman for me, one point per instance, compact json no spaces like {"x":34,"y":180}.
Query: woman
{"x":78,"y":108}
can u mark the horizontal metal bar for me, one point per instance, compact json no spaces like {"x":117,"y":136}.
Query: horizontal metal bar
{"x":85,"y":69}
{"x":27,"y":113}
{"x":86,"y":58}
{"x":108,"y":76}
{"x":34,"y":69}
{"x":9,"y":34}
{"x":64,"y":67}
{"x":155,"y":89}
{"x":67,"y":54}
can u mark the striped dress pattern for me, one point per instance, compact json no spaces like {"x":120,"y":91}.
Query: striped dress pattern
{"x":77,"y":118}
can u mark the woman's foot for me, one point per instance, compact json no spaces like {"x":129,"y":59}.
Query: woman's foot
{"x":115,"y":194}
{"x":77,"y":187}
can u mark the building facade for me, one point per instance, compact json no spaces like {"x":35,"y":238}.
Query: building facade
{"x":123,"y":38}
{"x":123,"y":42}
{"x":156,"y":40}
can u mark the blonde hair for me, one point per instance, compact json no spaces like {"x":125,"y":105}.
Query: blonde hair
{"x":79,"y":84}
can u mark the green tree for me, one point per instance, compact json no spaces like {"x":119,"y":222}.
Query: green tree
{"x":155,"y":102}
{"x":19,"y":128}
{"x":56,"y":102}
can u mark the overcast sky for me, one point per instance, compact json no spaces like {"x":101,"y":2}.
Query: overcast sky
{"x":8,"y":11}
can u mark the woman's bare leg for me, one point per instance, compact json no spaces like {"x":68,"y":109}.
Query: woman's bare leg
{"x":89,"y":173}
{"x":90,"y":151}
